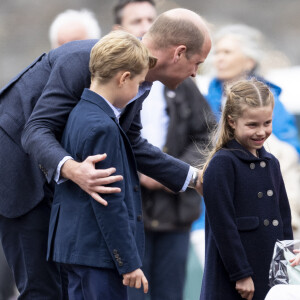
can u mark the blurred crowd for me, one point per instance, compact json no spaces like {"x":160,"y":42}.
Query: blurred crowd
{"x":170,"y":118}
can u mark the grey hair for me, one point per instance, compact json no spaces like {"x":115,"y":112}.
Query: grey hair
{"x":84,"y":16}
{"x":250,"y":39}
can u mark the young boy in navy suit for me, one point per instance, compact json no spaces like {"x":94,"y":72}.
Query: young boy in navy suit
{"x":100,"y":246}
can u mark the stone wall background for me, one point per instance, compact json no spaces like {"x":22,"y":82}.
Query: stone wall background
{"x":24,"y":24}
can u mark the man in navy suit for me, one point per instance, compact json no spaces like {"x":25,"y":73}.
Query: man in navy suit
{"x":45,"y":93}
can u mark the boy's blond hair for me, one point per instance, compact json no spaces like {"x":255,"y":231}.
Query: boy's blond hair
{"x":119,"y":51}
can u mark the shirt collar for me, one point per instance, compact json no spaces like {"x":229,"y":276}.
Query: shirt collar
{"x":94,"y":97}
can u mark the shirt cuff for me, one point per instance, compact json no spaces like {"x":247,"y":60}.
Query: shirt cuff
{"x":57,"y":178}
{"x":188,"y":179}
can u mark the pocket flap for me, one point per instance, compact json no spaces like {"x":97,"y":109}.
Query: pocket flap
{"x":247,"y":223}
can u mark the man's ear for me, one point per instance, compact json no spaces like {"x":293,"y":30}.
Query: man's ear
{"x":124,"y":77}
{"x":231,"y":122}
{"x":179,"y":52}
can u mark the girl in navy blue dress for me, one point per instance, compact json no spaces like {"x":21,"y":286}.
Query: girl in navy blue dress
{"x":247,"y":208}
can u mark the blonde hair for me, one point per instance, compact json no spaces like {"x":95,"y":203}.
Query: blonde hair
{"x":119,"y":51}
{"x":240,"y":96}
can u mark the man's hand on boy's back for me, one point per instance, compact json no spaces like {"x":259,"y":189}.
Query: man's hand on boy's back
{"x":90,"y":179}
{"x":136,"y":279}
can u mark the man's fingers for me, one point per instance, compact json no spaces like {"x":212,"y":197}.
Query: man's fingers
{"x":96,"y":158}
{"x":97,"y":197}
{"x":107,"y":180}
{"x":107,"y":190}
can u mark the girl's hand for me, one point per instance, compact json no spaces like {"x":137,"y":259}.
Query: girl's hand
{"x":245,"y":288}
{"x":296,"y":260}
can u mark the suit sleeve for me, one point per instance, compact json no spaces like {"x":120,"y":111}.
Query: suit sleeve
{"x":154,"y":163}
{"x":116,"y":225}
{"x":221,"y":216}
{"x":42,"y":133}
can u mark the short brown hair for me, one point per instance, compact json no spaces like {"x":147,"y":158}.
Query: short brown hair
{"x":167,"y":31}
{"x":119,"y":51}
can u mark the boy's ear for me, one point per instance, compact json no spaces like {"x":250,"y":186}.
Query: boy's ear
{"x":124,"y":76}
{"x":231,"y":122}
{"x":179,"y":52}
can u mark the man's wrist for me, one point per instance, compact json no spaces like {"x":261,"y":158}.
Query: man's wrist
{"x":67,"y":168}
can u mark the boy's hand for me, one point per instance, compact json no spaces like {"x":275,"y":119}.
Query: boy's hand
{"x":89,"y":179}
{"x":245,"y":288}
{"x":296,"y":260}
{"x":136,"y":279}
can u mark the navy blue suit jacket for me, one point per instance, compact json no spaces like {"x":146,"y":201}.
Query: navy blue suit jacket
{"x":46,"y":91}
{"x":82,"y":231}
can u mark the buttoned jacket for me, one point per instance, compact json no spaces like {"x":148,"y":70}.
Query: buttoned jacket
{"x":247,"y":210}
{"x":81,"y":230}
{"x":43,"y":94}
{"x":190,"y":121}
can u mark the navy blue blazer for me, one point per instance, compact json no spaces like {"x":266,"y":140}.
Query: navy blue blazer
{"x":81,"y":230}
{"x":247,"y":210}
{"x":46,"y":91}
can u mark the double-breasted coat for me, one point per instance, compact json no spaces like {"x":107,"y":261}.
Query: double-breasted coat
{"x":247,"y":210}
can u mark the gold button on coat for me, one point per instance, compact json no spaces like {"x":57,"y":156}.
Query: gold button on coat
{"x":270,"y":193}
{"x":266,"y":222}
{"x":275,"y":222}
{"x":260,"y":195}
{"x":252,"y":166}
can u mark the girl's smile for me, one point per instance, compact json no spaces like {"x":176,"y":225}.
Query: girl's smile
{"x":253,"y":128}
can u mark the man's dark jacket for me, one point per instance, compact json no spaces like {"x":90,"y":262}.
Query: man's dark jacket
{"x":190,"y":121}
{"x":44,"y":94}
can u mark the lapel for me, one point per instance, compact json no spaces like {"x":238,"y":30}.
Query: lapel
{"x":96,"y":99}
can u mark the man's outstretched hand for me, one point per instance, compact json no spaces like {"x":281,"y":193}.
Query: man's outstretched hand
{"x":91,"y":180}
